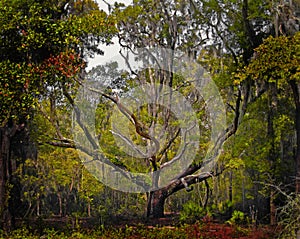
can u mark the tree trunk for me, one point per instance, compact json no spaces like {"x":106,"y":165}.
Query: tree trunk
{"x":6,"y":134}
{"x":4,"y":157}
{"x":298,"y":152}
{"x":296,"y":93}
{"x":272,"y":151}
{"x":156,"y":199}
{"x":272,"y":208}
{"x":38,"y":206}
{"x":298,"y":148}
{"x":230,"y":193}
{"x":60,"y":204}
{"x":156,"y":203}
{"x":89,"y":208}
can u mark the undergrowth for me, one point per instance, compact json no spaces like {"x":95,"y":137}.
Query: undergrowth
{"x":199,"y":230}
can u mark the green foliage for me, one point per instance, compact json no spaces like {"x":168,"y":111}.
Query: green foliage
{"x":194,"y":231}
{"x":277,"y":60}
{"x":23,"y":233}
{"x":237,"y":217}
{"x":42,"y":46}
{"x":16,"y":104}
{"x":191,"y":212}
{"x":57,"y":172}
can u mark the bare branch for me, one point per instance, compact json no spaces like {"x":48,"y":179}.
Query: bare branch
{"x":78,"y":115}
{"x":127,"y":61}
{"x":140,"y":128}
{"x":181,"y":152}
{"x":187,"y":181}
{"x":169,"y":144}
{"x":129,"y":143}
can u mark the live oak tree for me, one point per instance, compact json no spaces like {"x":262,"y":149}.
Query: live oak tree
{"x":189,"y":27}
{"x":43,"y":49}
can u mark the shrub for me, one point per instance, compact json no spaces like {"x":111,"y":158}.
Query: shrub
{"x":237,"y":218}
{"x":191,"y":212}
{"x":289,"y":217}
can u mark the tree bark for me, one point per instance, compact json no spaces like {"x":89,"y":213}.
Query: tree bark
{"x":272,"y":208}
{"x":60,"y":204}
{"x":6,"y":134}
{"x":89,"y":208}
{"x":296,"y":93}
{"x":4,"y":156}
{"x":298,"y":149}
{"x":272,"y":151}
{"x":253,"y":40}
{"x":156,"y":199}
{"x":230,"y":192}
{"x":156,"y":203}
{"x":38,"y":204}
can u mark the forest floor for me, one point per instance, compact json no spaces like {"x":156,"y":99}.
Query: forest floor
{"x":168,"y":227}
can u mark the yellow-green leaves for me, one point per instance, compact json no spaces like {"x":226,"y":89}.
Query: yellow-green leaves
{"x":276,"y":60}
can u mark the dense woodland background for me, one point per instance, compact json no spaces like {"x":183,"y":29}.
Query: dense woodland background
{"x":250,"y":48}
